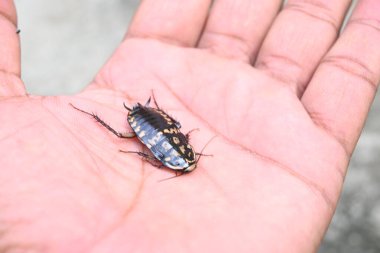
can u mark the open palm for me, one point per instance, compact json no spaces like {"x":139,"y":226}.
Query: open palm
{"x":282,"y":146}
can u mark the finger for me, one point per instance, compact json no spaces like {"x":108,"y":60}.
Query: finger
{"x":10,"y":83}
{"x":176,"y":22}
{"x":9,"y":39}
{"x":236,"y":28}
{"x":341,"y":92}
{"x":300,"y":36}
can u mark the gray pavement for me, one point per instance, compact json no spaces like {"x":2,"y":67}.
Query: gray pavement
{"x":64,"y":43}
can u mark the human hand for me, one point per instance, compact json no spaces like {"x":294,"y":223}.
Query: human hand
{"x":286,"y":126}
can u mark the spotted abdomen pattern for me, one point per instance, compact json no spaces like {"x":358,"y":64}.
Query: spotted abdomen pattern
{"x":161,"y":134}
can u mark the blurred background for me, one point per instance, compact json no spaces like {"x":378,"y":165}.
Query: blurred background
{"x":64,"y":43}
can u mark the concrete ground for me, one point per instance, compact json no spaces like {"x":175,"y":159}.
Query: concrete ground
{"x":64,"y":43}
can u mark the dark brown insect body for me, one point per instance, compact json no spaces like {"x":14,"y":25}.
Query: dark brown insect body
{"x":161,"y":134}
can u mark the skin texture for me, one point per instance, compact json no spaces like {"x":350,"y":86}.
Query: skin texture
{"x":284,"y":97}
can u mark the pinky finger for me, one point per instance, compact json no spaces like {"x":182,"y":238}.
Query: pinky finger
{"x":340,"y":94}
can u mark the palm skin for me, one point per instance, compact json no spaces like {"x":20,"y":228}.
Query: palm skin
{"x":271,"y":185}
{"x":284,"y":97}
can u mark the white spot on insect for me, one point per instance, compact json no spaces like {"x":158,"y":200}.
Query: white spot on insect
{"x":171,"y":131}
{"x":182,"y":148}
{"x":167,"y":159}
{"x":134,"y":124}
{"x":166,"y":146}
{"x":137,"y":129}
{"x":189,"y":160}
{"x":191,"y":167}
{"x":142,"y":134}
{"x":155,"y":139}
{"x":176,"y":140}
{"x":174,"y":153}
{"x":165,"y":116}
